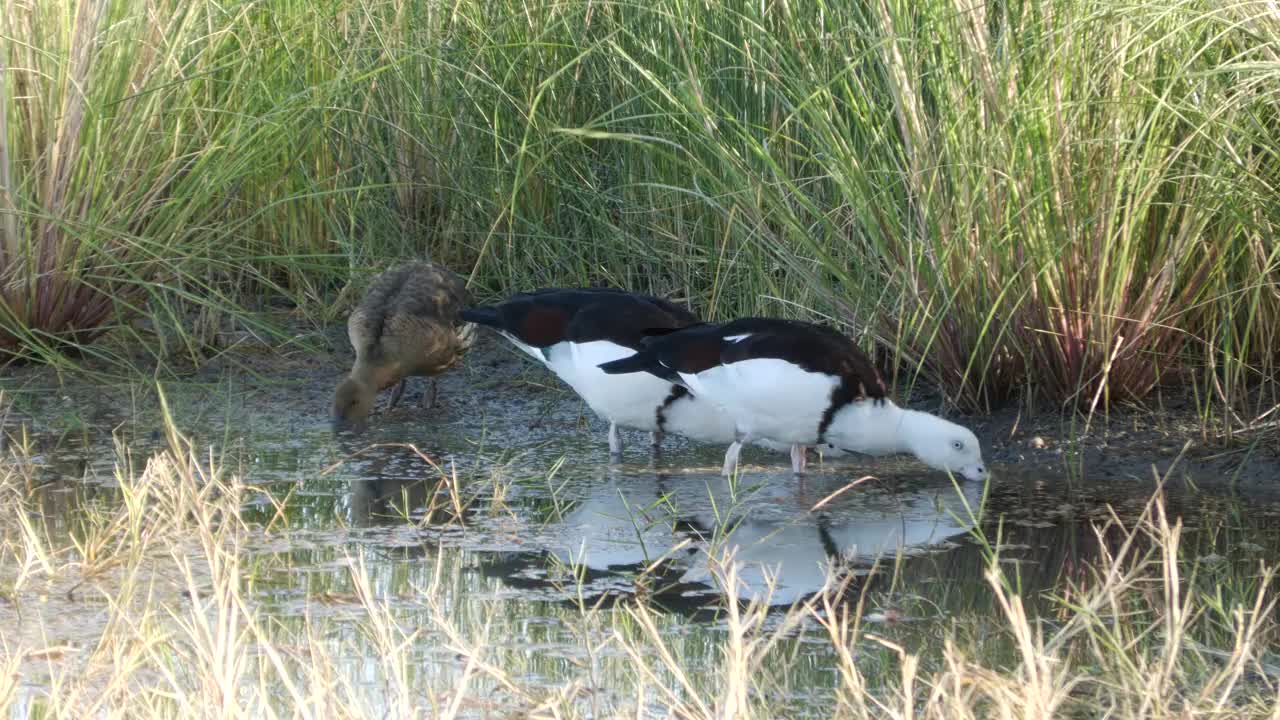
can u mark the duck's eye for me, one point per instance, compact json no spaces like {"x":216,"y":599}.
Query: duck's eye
{"x":957,"y":445}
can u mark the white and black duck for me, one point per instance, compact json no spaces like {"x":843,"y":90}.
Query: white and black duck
{"x":798,"y":383}
{"x":573,"y":331}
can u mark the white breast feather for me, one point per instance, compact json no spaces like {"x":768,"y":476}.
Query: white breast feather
{"x":770,"y":398}
{"x":630,"y":399}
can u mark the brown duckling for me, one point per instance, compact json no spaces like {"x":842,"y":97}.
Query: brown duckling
{"x":407,"y":324}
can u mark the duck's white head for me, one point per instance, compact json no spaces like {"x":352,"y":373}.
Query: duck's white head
{"x":943,"y":445}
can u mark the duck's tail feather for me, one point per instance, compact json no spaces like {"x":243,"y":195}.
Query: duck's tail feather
{"x":482,"y":315}
{"x":640,"y":362}
{"x":657,"y":332}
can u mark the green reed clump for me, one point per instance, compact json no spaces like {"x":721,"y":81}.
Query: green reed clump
{"x":129,"y":130}
{"x":1072,"y":199}
{"x":1069,"y":195}
{"x":161,"y":158}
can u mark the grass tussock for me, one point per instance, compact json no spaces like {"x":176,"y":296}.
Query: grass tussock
{"x":1072,"y":199}
{"x":163,"y":593}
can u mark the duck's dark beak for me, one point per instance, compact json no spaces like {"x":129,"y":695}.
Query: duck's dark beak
{"x":342,"y":425}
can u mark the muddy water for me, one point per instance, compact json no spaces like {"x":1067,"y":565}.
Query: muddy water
{"x":540,"y":522}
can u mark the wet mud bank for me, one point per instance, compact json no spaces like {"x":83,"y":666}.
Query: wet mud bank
{"x":497,"y":398}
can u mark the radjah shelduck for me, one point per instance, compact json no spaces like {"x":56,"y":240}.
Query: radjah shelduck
{"x":798,"y":383}
{"x":572,"y":331}
{"x":407,"y":324}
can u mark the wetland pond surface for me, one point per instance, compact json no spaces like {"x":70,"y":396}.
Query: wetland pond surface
{"x":507,"y":508}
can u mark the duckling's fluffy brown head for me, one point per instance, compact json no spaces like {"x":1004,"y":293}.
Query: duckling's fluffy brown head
{"x":352,"y":403}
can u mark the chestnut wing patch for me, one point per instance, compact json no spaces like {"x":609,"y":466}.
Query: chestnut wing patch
{"x":540,"y":325}
{"x":694,"y":354}
{"x":545,"y":317}
{"x":621,"y":320}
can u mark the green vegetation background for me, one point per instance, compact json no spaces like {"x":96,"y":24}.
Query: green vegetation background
{"x":1070,"y":201}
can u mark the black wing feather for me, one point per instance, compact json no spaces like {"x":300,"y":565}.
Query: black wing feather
{"x":815,"y":348}
{"x":545,"y":317}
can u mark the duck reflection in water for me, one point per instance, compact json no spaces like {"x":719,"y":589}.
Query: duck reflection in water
{"x":392,"y":484}
{"x":784,"y":552}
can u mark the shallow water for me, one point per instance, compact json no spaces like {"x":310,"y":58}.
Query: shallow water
{"x":542,"y":523}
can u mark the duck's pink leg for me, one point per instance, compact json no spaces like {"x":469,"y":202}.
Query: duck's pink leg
{"x":799,"y":458}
